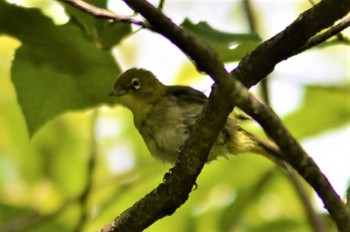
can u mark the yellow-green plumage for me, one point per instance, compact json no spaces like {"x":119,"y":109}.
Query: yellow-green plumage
{"x":164,"y":116}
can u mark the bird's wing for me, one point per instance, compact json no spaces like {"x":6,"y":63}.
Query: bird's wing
{"x":190,"y":101}
{"x":186,"y":95}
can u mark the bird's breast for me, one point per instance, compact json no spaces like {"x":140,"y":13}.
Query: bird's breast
{"x":164,"y":132}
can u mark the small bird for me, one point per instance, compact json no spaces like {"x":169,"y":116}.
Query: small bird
{"x":165,"y":115}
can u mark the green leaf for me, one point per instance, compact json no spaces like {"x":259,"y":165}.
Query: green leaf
{"x":230,"y":46}
{"x":323,"y":108}
{"x":56,"y":69}
{"x":102,"y":32}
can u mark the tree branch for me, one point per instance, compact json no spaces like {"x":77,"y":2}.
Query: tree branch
{"x":297,"y":157}
{"x":318,"y":39}
{"x":197,"y":147}
{"x":103,"y":13}
{"x":251,"y":69}
{"x":168,"y":196}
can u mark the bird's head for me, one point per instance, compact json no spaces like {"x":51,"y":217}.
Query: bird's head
{"x":137,"y":88}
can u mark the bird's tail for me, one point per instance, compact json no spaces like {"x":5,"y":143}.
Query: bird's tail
{"x":266,"y":148}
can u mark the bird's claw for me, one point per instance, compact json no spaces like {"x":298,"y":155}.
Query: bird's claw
{"x":167,"y":175}
{"x":195,"y":186}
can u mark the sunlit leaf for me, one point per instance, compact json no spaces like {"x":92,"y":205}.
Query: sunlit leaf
{"x":55,"y":69}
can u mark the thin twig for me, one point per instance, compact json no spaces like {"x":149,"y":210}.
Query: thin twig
{"x":348,"y":197}
{"x":311,"y":2}
{"x":316,"y":222}
{"x":343,"y":38}
{"x":161,"y":5}
{"x":83,"y":199}
{"x":31,"y":219}
{"x":264,"y":84}
{"x":103,"y":13}
{"x":232,"y":218}
{"x":318,"y":39}
{"x":248,"y":9}
{"x":340,"y":36}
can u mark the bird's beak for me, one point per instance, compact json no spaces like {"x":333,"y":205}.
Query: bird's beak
{"x":117,"y":92}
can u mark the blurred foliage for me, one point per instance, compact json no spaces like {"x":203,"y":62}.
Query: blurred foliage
{"x":57,"y":69}
{"x":330,"y":105}
{"x":230,"y":46}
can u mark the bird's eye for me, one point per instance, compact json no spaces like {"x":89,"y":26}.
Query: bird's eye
{"x":136,"y":83}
